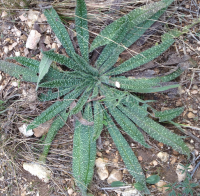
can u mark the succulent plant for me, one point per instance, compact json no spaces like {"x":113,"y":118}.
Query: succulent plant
{"x":98,"y":96}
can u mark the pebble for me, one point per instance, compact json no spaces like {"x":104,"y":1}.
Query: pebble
{"x":140,"y":158}
{"x":54,"y":46}
{"x":4,"y":14}
{"x":17,"y":53}
{"x":0,"y":77}
{"x":191,"y":115}
{"x":163,"y":156}
{"x":161,"y":187}
{"x":178,"y":103}
{"x":115,"y":175}
{"x":6,"y":49}
{"x":101,"y":168}
{"x":33,"y":39}
{"x":23,"y":17}
{"x":47,"y":40}
{"x":70,"y":191}
{"x":23,"y":37}
{"x":173,"y":160}
{"x":191,"y":147}
{"x":187,"y":6}
{"x":42,"y":18}
{"x":194,"y":92}
{"x":198,"y":42}
{"x":106,"y":143}
{"x":16,"y":31}
{"x":99,"y":154}
{"x":195,"y":87}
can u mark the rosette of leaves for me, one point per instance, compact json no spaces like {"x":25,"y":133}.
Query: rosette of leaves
{"x":98,"y":95}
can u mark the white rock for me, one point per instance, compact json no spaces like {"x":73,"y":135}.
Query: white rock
{"x":33,"y":15}
{"x":128,"y":192}
{"x":22,"y":130}
{"x":115,"y":175}
{"x":6,"y":49}
{"x":100,"y":163}
{"x":33,"y":39}
{"x":15,"y":84}
{"x":102,"y":173}
{"x":42,"y":18}
{"x":4,"y":14}
{"x":17,"y":53}
{"x":70,"y":191}
{"x":101,"y":168}
{"x":47,"y":40}
{"x":163,"y":156}
{"x":23,"y":17}
{"x":54,"y":46}
{"x":0,"y":78}
{"x":38,"y":170}
{"x":117,"y":84}
{"x":16,"y":31}
{"x":180,"y":170}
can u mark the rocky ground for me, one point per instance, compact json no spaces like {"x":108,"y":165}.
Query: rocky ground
{"x":26,"y":33}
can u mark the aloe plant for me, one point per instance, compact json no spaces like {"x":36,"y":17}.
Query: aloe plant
{"x":98,"y":95}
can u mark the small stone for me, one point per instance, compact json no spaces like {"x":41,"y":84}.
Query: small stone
{"x":33,"y":15}
{"x":173,"y":160}
{"x":140,"y":158}
{"x":106,"y":143}
{"x":161,"y":187}
{"x":23,"y":17}
{"x":42,"y":18}
{"x":194,"y":92}
{"x":198,"y":48}
{"x":125,"y":171}
{"x":17,"y":53}
{"x":191,"y":115}
{"x":33,"y":39}
{"x":102,"y":173}
{"x":187,"y":6}
{"x":16,"y":31}
{"x":198,"y":42}
{"x":99,"y":154}
{"x":54,"y":46}
{"x":115,"y":175}
{"x":195,"y":87}
{"x":23,"y":37}
{"x":0,"y":78}
{"x":100,"y":163}
{"x":15,"y":84}
{"x":163,"y":156}
{"x":6,"y":49}
{"x":4,"y":14}
{"x":178,"y":103}
{"x":154,"y":162}
{"x":181,"y":173}
{"x":22,"y":130}
{"x":70,"y":191}
{"x":47,"y":40}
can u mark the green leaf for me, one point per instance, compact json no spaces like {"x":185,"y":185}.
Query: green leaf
{"x":57,"y":107}
{"x":98,"y":120}
{"x":82,"y":28}
{"x":157,"y":131}
{"x":57,"y":124}
{"x":117,"y":184}
{"x":153,"y":179}
{"x":135,"y":17}
{"x":84,"y":152}
{"x":63,"y":60}
{"x":138,"y":186}
{"x":43,"y":68}
{"x":34,"y":66}
{"x":50,"y":95}
{"x":127,"y":125}
{"x":127,"y":154}
{"x":168,"y":115}
{"x":60,"y":31}
{"x":142,"y":58}
{"x":18,"y":72}
{"x":61,"y":83}
{"x":82,"y":101}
